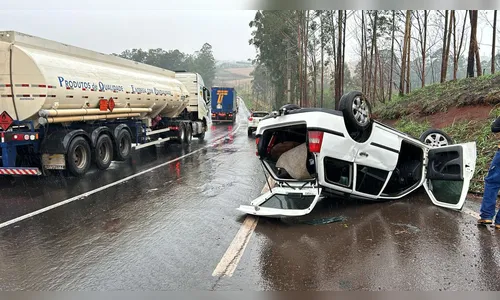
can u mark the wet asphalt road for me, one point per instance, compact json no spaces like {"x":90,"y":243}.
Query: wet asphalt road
{"x":168,"y":229}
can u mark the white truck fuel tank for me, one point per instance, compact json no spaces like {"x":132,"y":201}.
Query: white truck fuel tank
{"x":61,"y":80}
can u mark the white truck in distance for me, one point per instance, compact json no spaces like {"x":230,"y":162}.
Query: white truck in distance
{"x":64,"y":108}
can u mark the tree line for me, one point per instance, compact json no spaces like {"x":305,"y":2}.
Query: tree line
{"x":202,"y":61}
{"x":301,"y":54}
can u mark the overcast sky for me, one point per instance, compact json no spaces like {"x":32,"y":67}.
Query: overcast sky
{"x":112,"y":27}
{"x":111,"y":31}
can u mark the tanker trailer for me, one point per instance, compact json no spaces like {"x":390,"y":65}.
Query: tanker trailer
{"x":66,"y":108}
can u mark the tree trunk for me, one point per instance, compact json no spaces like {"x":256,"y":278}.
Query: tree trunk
{"x":375,"y":76}
{"x":457,"y":54}
{"x":322,"y":59}
{"x":381,"y":73}
{"x":494,"y":42}
{"x":363,"y":45}
{"x":404,"y":54}
{"x":448,"y":40}
{"x":366,"y":62}
{"x":443,"y":56}
{"x":334,"y":47}
{"x":472,"y":44}
{"x":339,"y":60}
{"x":392,"y":52}
{"x":299,"y":44}
{"x":478,"y":60}
{"x":424,"y":46}
{"x":373,"y":46}
{"x":454,"y":29}
{"x":343,"y":54}
{"x":306,"y":41}
{"x":408,"y":60}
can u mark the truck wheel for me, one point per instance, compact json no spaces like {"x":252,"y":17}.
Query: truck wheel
{"x":123,"y":145}
{"x":181,"y":134}
{"x":356,"y":110}
{"x":201,"y":136}
{"x":78,"y":157}
{"x":103,"y":152}
{"x":189,"y":134}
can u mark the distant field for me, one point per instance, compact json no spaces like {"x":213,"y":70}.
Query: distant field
{"x":234,"y":76}
{"x":239,"y":81}
{"x":240,"y":71}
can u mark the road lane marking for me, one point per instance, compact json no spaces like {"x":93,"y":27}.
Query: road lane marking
{"x":234,"y":252}
{"x":107,"y":186}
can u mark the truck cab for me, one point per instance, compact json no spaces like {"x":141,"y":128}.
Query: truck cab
{"x":199,"y":95}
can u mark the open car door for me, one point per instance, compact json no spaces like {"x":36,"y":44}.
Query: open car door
{"x":284,"y":201}
{"x":449,"y":172}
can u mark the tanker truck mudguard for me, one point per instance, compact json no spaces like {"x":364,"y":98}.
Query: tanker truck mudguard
{"x":67,"y":108}
{"x":224,"y":104}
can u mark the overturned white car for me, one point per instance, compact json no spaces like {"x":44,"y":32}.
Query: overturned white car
{"x":315,"y":152}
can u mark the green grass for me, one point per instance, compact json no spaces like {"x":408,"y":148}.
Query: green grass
{"x":462,"y":132}
{"x":440,"y":97}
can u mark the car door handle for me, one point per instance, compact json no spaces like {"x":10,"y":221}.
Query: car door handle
{"x":363,"y":154}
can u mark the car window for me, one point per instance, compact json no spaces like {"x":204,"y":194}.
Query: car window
{"x":259,"y":115}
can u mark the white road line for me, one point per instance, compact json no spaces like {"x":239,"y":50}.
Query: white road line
{"x":107,"y":186}
{"x":234,"y":252}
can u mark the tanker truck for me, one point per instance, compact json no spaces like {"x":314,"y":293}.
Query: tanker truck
{"x":68,"y":108}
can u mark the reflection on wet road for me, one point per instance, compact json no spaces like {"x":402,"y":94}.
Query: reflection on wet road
{"x":26,"y":194}
{"x":168,"y":229}
{"x":401,"y":245}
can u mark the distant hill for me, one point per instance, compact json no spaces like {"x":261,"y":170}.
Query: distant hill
{"x":233,"y":64}
{"x":233,"y":73}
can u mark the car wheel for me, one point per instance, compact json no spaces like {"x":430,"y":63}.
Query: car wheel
{"x":249,"y":131}
{"x":436,"y":138}
{"x":356,"y":109}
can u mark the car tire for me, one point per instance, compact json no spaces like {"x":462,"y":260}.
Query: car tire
{"x":356,"y":110}
{"x":249,"y":132}
{"x":79,"y":156}
{"x":436,"y":138}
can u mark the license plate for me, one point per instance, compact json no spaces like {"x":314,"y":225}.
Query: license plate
{"x":54,"y":161}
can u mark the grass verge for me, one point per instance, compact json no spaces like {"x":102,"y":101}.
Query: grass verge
{"x":440,"y":97}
